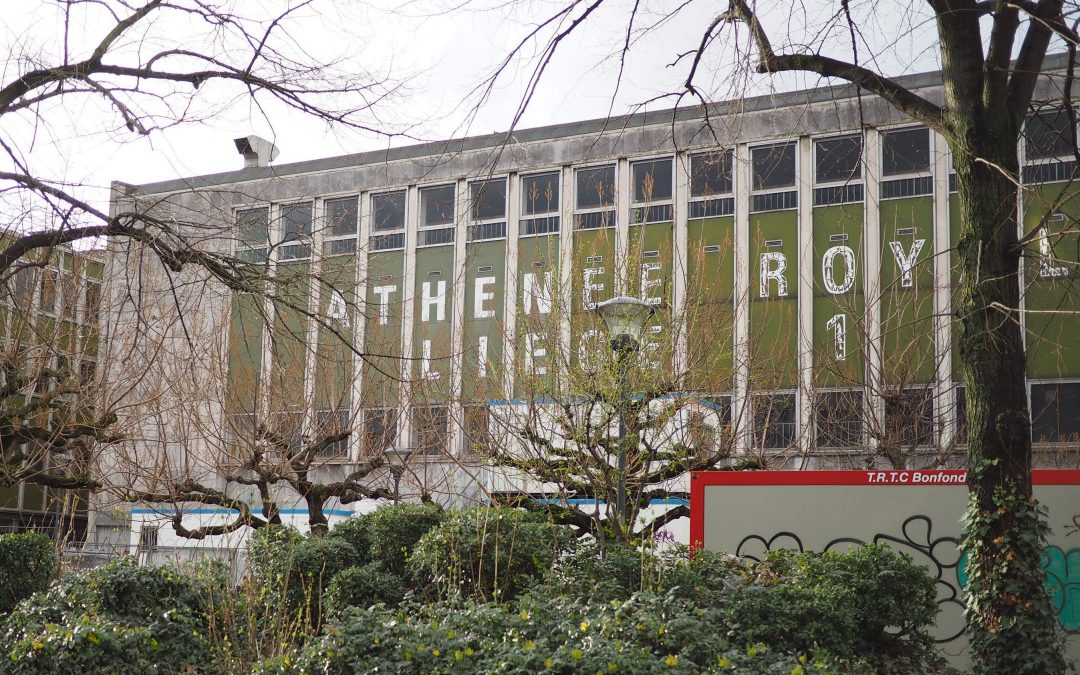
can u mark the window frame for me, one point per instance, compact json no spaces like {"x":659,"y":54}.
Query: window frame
{"x":285,"y":249}
{"x":1050,"y":159}
{"x":1031,"y":400}
{"x":819,"y":432}
{"x":329,"y":239}
{"x":580,"y":212}
{"x":930,"y":419}
{"x":389,"y":235}
{"x":930,"y":152}
{"x":549,"y":217}
{"x":755,"y":435}
{"x":705,"y":199}
{"x":423,"y":227}
{"x":481,"y":226}
{"x":420,"y":447}
{"x":792,"y":188}
{"x":641,"y":212}
{"x":249,"y":250}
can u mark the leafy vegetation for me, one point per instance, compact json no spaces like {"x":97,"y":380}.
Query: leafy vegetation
{"x":28,"y":562}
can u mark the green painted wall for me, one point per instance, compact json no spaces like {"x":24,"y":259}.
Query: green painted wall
{"x":585,"y":326}
{"x":289,"y":346}
{"x":538,"y":260}
{"x":907,"y":327}
{"x":334,"y":358}
{"x":245,"y":353}
{"x":1052,"y":295}
{"x":484,"y":335}
{"x":432,"y":376}
{"x":650,"y":268}
{"x":710,"y":295}
{"x":773,"y":319}
{"x":839,"y":334}
{"x":382,"y":329}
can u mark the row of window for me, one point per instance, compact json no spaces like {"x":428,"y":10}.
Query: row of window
{"x":905,"y":167}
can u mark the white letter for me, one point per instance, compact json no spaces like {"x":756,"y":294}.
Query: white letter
{"x":906,"y":262}
{"x":481,"y":356}
{"x":337,"y":310}
{"x":384,"y":304}
{"x":532,"y":289}
{"x":585,"y":354}
{"x":648,"y":283}
{"x":588,"y":287}
{"x":425,"y":362}
{"x":480,"y":297}
{"x":777,"y":273}
{"x":1047,"y":268}
{"x":438,"y":300}
{"x":532,"y":352}
{"x":827,"y":262}
{"x":838,"y":325}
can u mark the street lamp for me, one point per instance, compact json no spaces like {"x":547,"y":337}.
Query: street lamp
{"x":396,"y":459}
{"x":625,"y":319}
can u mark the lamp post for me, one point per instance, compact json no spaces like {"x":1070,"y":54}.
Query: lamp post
{"x":396,"y":459}
{"x":625,"y":319}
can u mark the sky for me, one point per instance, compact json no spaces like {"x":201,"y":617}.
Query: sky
{"x":433,"y":53}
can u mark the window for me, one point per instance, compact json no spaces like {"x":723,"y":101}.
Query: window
{"x":540,"y":203}
{"x":709,"y":425}
{"x":437,"y":206}
{"x":437,"y":211}
{"x":488,"y":209}
{"x":430,"y":429}
{"x":838,"y":416}
{"x":838,"y":160}
{"x":477,"y":432}
{"x":92,"y":304}
{"x":252,"y":229}
{"x":23,"y":283}
{"x":595,"y":187}
{"x":652,"y":190}
{"x":1055,"y":412}
{"x":711,"y":174}
{"x":329,"y":423}
{"x":388,"y":211}
{"x":341,"y":224}
{"x":285,"y":428}
{"x":295,"y":231}
{"x":50,"y":279}
{"x":774,"y":420}
{"x":773,"y":172}
{"x":909,"y":417}
{"x":380,"y":430}
{"x":905,"y":151}
{"x":1049,"y":134}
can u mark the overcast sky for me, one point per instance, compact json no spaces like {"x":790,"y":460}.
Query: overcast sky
{"x":439,"y":52}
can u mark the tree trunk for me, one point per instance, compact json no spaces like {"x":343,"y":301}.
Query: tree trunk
{"x":1005,"y":533}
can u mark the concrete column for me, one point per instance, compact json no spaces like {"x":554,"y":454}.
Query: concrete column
{"x":510,"y":285}
{"x":872,"y":267}
{"x":942,"y":293}
{"x":457,"y":318}
{"x":358,"y":325}
{"x":408,"y":315}
{"x":679,"y":260}
{"x":622,"y":227}
{"x":742,"y":419}
{"x":804,"y":399}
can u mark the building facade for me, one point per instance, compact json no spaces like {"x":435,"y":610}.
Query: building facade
{"x":797,"y":249}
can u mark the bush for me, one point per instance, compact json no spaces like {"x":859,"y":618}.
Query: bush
{"x":395,"y":529}
{"x":28,"y":562}
{"x":356,"y":530}
{"x":120,"y":618}
{"x":604,"y":572}
{"x":486,"y":552}
{"x":293,"y":572}
{"x":364,"y":586}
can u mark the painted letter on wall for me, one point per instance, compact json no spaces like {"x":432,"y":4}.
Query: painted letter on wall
{"x":828,"y":263}
{"x":906,"y":261}
{"x":532,"y":353}
{"x":533,"y":290}
{"x":769,"y":272}
{"x":589,"y":286}
{"x":481,"y":296}
{"x":648,"y":283}
{"x":838,"y":325}
{"x":384,"y":302}
{"x":438,"y":301}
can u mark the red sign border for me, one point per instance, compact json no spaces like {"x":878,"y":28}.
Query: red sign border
{"x":699,"y":480}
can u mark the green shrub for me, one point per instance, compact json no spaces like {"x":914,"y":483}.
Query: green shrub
{"x":120,"y":618}
{"x":487,"y":552}
{"x":356,"y":530}
{"x":28,"y":562}
{"x":605,"y":572}
{"x":293,"y":572}
{"x":395,"y":529}
{"x":362,"y":587}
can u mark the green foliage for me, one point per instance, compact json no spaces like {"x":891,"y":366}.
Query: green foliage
{"x":1009,"y":614}
{"x":294,"y":571}
{"x":120,"y":618}
{"x":605,"y":572}
{"x":28,"y":562}
{"x":488,"y":553}
{"x":395,"y":530}
{"x":362,"y":587}
{"x":356,"y":530}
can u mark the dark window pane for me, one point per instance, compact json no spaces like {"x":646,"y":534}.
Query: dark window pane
{"x":252,"y":226}
{"x":388,"y":211}
{"x":773,"y":166}
{"x":905,"y":151}
{"x":296,"y":221}
{"x":595,"y":187}
{"x":909,"y":418}
{"x":838,"y":159}
{"x":341,"y":216}
{"x":437,"y":205}
{"x":1055,"y":412}
{"x":540,"y":194}
{"x":774,"y":420}
{"x":380,"y":430}
{"x":92,"y":303}
{"x":711,"y":174}
{"x":1049,"y":133}
{"x":430,"y":429}
{"x":488,"y":199}
{"x":477,"y":433}
{"x":332,"y":423}
{"x":652,"y":180}
{"x":839,"y":419}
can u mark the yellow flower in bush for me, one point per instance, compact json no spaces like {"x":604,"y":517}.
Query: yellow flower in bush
{"x":549,"y":662}
{"x":723,"y":662}
{"x":584,"y":626}
{"x":469,"y":651}
{"x":612,"y":667}
{"x":529,"y":645}
{"x":458,"y":655}
{"x":576,"y":654}
{"x":436,"y":652}
{"x":798,"y":670}
{"x":671,"y":661}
